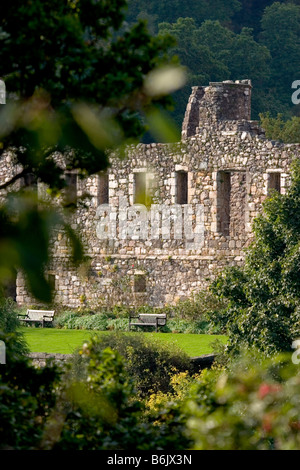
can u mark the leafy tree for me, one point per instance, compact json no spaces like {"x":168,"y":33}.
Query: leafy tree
{"x":249,"y":15}
{"x":212,"y":52}
{"x":263,"y":310}
{"x":194,"y":53}
{"x":273,"y":25}
{"x":27,"y":398}
{"x":280,"y":129}
{"x":9,"y":325}
{"x":75,"y":79}
{"x":242,"y":56}
{"x":281,"y":33}
{"x":44,"y":53}
{"x":170,"y":11}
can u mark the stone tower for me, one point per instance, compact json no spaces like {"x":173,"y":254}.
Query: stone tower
{"x":219,"y":104}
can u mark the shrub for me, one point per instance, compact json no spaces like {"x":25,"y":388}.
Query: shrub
{"x":181,"y":384}
{"x":199,"y":313}
{"x":149,"y":362}
{"x":119,"y":311}
{"x":104,"y":414}
{"x":251,"y":405}
{"x":117,"y":324}
{"x":117,"y":319}
{"x":75,"y":320}
{"x":26,"y":398}
{"x":8,"y":316}
{"x":46,"y":409}
{"x":9,"y":323}
{"x":92,"y":322}
{"x":66,"y":320}
{"x":175,"y":325}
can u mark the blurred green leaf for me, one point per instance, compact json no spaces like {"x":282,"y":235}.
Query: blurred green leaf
{"x":162,"y":127}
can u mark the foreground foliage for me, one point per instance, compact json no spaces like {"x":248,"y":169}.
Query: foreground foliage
{"x":77,"y":81}
{"x":149,"y":362}
{"x":251,"y":404}
{"x":27,"y":396}
{"x":50,"y":409}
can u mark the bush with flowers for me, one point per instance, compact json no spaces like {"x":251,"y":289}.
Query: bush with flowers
{"x":253,"y":404}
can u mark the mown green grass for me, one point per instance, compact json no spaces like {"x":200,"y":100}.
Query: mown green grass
{"x":52,"y":340}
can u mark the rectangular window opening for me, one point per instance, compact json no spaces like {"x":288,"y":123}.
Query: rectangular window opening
{"x":51,"y":281}
{"x":29,"y":180}
{"x":140,"y":188}
{"x":71,"y":188}
{"x":181,"y":187}
{"x":223,"y":202}
{"x":274,"y":182}
{"x":140,"y":285}
{"x":103,"y":191}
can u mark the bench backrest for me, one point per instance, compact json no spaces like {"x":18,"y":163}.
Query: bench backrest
{"x":40,"y":314}
{"x":151,"y":318}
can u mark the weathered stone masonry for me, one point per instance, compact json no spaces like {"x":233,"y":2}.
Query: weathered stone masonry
{"x":224,"y":167}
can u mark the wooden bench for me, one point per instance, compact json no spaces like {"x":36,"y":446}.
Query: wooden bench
{"x":38,"y":316}
{"x":148,"y":319}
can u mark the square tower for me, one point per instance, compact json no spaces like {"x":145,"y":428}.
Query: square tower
{"x":219,"y":102}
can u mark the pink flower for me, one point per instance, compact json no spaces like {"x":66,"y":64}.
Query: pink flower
{"x":267,"y":389}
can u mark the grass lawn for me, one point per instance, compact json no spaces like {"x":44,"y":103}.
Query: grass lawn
{"x":51,"y":340}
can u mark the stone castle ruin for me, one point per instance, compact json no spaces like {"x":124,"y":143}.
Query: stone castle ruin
{"x":162,"y":222}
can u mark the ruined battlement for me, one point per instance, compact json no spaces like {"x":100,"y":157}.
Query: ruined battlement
{"x":220,"y":104}
{"x":162,"y":222}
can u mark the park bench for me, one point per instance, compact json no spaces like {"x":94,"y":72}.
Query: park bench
{"x":38,"y":316}
{"x":148,"y":319}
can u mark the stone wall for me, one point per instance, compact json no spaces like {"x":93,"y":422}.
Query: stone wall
{"x":41,"y":359}
{"x":229,"y":167}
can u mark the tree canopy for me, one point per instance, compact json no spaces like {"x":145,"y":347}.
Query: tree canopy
{"x":212,"y":52}
{"x":262,"y":32}
{"x":199,"y":10}
{"x":58,"y":54}
{"x":77,"y":81}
